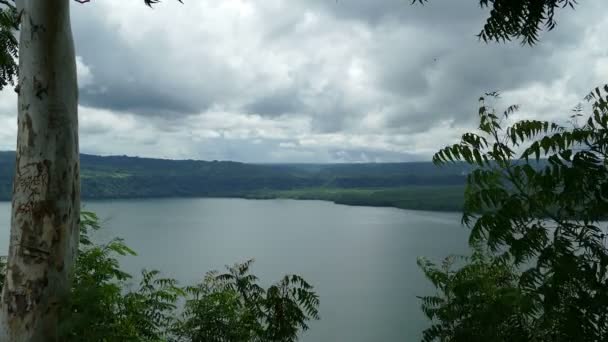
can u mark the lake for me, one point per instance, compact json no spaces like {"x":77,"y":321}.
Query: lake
{"x":361,"y":260}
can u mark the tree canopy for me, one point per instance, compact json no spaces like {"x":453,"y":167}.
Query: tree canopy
{"x":541,"y":227}
{"x":539,"y":268}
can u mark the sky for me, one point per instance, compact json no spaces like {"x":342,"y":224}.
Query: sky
{"x":320,"y":81}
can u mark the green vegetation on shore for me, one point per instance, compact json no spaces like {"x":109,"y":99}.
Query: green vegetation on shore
{"x":416,"y":185}
{"x":432,"y":198}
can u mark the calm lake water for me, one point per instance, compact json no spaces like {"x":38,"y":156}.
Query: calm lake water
{"x":361,"y":260}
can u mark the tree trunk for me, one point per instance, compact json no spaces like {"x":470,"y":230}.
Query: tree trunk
{"x":46,"y":190}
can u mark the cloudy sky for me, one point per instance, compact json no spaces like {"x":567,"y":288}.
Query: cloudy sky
{"x":310,"y":80}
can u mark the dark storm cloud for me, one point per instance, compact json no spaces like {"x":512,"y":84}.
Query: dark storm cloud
{"x":460,"y":77}
{"x":136,"y":97}
{"x":277,"y":103}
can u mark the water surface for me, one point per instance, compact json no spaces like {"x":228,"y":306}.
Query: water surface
{"x":361,"y":260}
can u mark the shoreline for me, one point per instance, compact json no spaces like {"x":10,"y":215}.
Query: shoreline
{"x":268,"y":197}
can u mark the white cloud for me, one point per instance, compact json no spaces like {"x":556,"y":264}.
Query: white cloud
{"x":309,"y":80}
{"x":85,"y":76}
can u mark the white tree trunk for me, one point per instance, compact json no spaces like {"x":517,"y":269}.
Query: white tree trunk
{"x":46,"y":191}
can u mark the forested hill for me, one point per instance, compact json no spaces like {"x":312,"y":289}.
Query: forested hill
{"x":133,"y":177}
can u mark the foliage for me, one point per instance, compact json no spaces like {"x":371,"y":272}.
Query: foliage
{"x":519,"y":19}
{"x":99,"y":308}
{"x":542,"y":218}
{"x":9,"y":46}
{"x":223,"y":307}
{"x":478,"y":302}
{"x":233,"y":307}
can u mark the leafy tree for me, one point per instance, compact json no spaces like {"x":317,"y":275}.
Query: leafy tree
{"x":519,"y":19}
{"x":480,"y":301}
{"x":233,"y":307}
{"x":539,"y":210}
{"x":540,"y":219}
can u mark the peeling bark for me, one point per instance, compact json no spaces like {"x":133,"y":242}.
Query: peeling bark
{"x":46,"y":189}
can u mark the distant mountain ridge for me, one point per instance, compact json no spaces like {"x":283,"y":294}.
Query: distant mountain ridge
{"x":135,"y":177}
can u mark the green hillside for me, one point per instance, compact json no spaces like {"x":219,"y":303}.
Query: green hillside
{"x":419,"y":185}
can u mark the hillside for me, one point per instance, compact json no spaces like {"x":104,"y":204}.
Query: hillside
{"x":419,"y":185}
